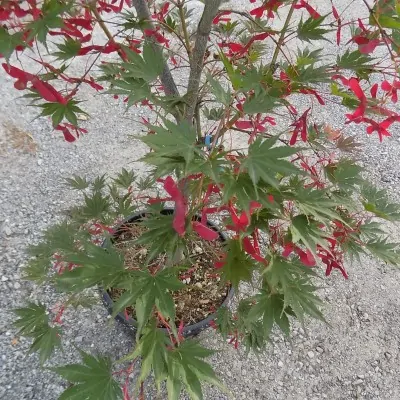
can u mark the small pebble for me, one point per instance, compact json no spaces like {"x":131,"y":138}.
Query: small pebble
{"x":310,"y":354}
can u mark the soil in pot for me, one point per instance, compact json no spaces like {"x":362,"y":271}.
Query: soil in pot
{"x":203,"y":293}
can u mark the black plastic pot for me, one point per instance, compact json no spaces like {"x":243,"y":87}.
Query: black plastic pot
{"x":189,"y":330}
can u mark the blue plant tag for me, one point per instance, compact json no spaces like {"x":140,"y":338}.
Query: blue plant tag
{"x":207,"y":141}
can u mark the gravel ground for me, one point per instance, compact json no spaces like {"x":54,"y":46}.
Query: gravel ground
{"x":357,"y":357}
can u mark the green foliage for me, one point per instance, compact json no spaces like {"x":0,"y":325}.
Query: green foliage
{"x":265,"y":161}
{"x":268,"y":195}
{"x":270,"y":309}
{"x":180,"y":365}
{"x":159,"y":236}
{"x":125,"y":178}
{"x":174,"y":147}
{"x":307,"y":232}
{"x":260,"y":102}
{"x":308,"y":57}
{"x":354,"y":60}
{"x":51,"y":18}
{"x":68,"y":49}
{"x":8,"y":42}
{"x":77,"y":182}
{"x":59,"y":111}
{"x":213,"y":114}
{"x":91,"y":380}
{"x":238,"y":267}
{"x":311,"y":29}
{"x":33,"y":322}
{"x":292,"y":279}
{"x":221,"y":95}
{"x":386,"y":251}
{"x":377,"y":202}
{"x":147,"y":67}
{"x":186,"y":366}
{"x":345,"y":174}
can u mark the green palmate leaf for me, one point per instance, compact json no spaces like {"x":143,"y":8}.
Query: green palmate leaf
{"x":377,"y":202}
{"x":233,"y":74}
{"x":135,"y":89}
{"x":354,"y":60}
{"x":270,"y":309}
{"x":311,"y":29}
{"x":95,"y":266}
{"x":293,"y":280}
{"x":395,"y":44}
{"x":241,"y":187}
{"x":386,"y":251}
{"x":77,"y":182}
{"x":8,"y":42}
{"x":147,"y":66}
{"x":59,"y":111}
{"x":99,"y":183}
{"x":238,"y":266}
{"x":68,"y":49}
{"x":222,"y":95}
{"x":95,"y":206}
{"x":34,"y":322}
{"x":262,"y":101}
{"x":225,"y":322}
{"x":315,"y":203}
{"x":309,"y":74}
{"x":174,"y":147}
{"x":185,"y":364}
{"x":152,"y":348}
{"x":213,"y":114}
{"x":371,"y":229}
{"x":160,"y":236}
{"x":307,"y":232}
{"x":345,"y":173}
{"x":265,"y":162}
{"x":92,"y":380}
{"x":156,"y":290}
{"x":51,"y":17}
{"x":308,"y":57}
{"x":125,"y":178}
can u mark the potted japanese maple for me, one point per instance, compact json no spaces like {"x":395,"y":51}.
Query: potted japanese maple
{"x":285,"y":202}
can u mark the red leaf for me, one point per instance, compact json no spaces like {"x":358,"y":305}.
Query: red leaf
{"x":68,"y":136}
{"x":303,"y":4}
{"x":374,"y":90}
{"x":48,"y":92}
{"x":204,"y":232}
{"x":180,"y":205}
{"x":369,"y":47}
{"x":250,"y":249}
{"x":287,"y":249}
{"x":17,"y":73}
{"x":306,"y":257}
{"x":244,"y":124}
{"x":315,"y":93}
{"x":220,"y":18}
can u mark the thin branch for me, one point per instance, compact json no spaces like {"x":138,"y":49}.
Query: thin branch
{"x":143,"y":12}
{"x":180,"y":6}
{"x":381,"y":30}
{"x":283,"y":32}
{"x":211,"y":8}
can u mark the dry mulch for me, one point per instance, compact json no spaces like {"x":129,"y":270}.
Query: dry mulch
{"x":203,"y":293}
